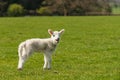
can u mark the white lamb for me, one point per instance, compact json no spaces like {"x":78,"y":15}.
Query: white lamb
{"x":47,"y":46}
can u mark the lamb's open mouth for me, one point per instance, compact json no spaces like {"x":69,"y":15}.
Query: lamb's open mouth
{"x":57,"y":40}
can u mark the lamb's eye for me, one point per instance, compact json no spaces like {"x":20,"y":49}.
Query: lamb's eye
{"x":53,"y":35}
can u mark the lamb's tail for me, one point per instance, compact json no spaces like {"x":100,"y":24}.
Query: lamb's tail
{"x":21,"y":49}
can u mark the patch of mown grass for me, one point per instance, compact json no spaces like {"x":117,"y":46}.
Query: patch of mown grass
{"x":88,"y":50}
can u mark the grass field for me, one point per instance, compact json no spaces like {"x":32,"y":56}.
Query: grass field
{"x":89,"y":48}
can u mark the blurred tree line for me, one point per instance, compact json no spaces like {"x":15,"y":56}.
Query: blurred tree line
{"x":53,"y":7}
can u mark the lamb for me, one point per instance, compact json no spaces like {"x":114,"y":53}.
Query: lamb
{"x":47,"y":46}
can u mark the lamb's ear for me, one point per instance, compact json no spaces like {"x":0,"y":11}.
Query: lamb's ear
{"x":61,"y":31}
{"x":50,"y":31}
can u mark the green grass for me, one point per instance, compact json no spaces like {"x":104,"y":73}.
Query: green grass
{"x":89,"y":48}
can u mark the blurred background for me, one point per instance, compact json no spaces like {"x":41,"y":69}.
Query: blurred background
{"x":59,"y":7}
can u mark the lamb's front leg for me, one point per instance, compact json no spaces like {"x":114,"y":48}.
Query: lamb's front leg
{"x":47,"y":61}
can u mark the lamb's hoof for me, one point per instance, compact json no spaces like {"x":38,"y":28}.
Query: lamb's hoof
{"x":19,"y":69}
{"x":46,"y":68}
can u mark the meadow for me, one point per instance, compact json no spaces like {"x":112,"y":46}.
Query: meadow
{"x":89,"y":48}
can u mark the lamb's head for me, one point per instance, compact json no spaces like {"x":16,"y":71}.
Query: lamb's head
{"x":55,"y":35}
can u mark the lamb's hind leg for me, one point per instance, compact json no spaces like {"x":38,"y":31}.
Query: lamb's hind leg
{"x":22,"y":59}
